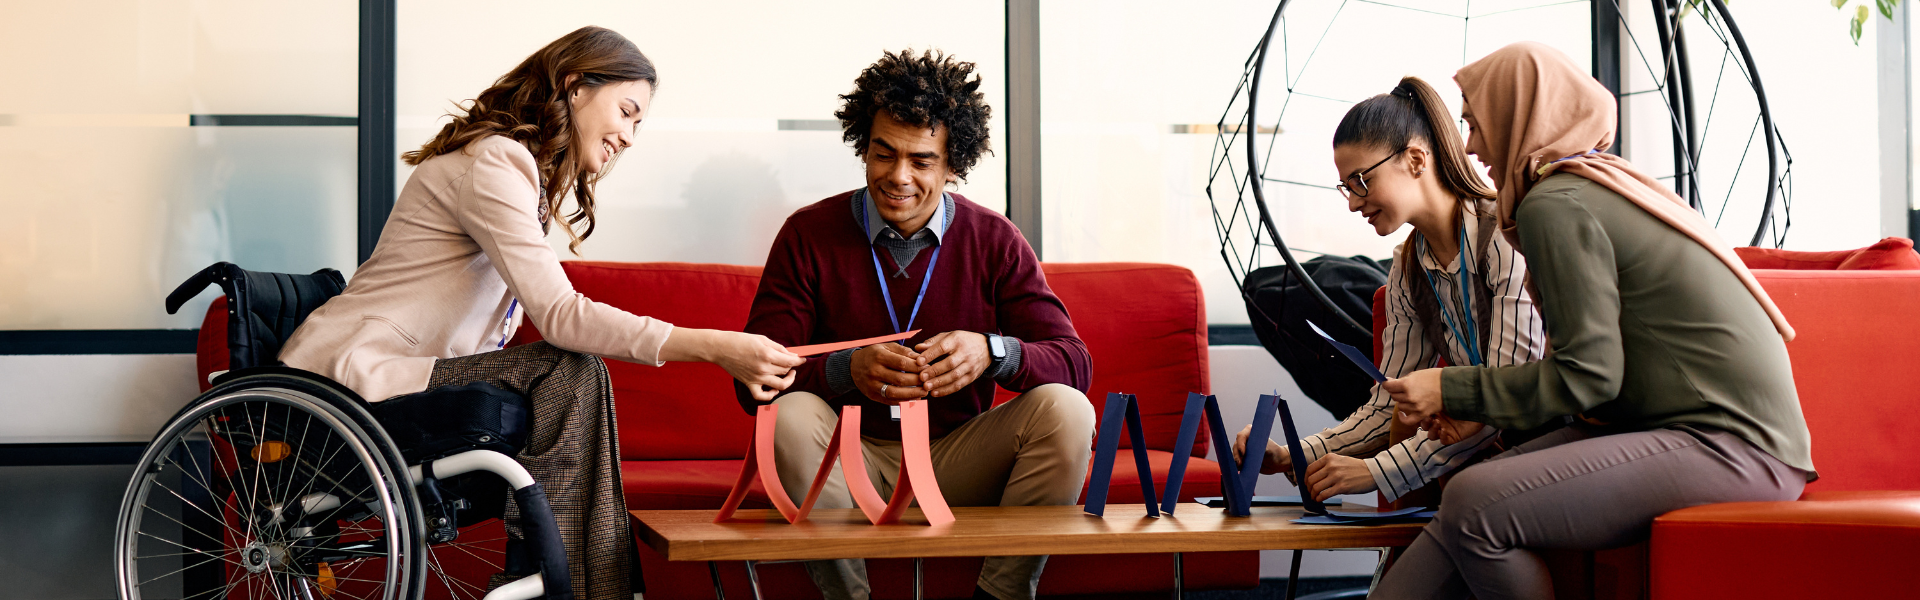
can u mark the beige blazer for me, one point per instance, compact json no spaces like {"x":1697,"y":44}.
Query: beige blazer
{"x":463,"y":241}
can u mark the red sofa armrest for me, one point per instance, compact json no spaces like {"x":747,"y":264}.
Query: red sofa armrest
{"x":1831,"y":545}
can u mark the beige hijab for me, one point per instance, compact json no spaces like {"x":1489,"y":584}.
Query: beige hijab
{"x":1540,"y":113}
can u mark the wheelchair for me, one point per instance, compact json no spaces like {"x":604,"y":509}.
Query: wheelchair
{"x":279,"y":483}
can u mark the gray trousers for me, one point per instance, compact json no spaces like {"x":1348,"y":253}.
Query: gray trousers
{"x":1574,"y":489}
{"x":1031,"y":451}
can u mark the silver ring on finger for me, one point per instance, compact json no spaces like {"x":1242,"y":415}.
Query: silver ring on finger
{"x":883,"y":389}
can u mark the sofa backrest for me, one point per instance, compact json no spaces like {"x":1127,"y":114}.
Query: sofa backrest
{"x":1144,"y":324}
{"x":681,"y":410}
{"x":1854,"y":353}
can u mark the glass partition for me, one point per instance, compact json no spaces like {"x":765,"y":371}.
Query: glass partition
{"x":741,"y":132}
{"x":1132,"y":95}
{"x":148,"y":140}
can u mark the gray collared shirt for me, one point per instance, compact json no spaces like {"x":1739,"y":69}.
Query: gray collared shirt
{"x":903,"y":248}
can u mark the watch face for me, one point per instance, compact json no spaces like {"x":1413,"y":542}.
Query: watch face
{"x":996,"y":346}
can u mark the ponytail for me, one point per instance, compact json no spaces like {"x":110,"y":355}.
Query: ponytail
{"x":1414,"y":111}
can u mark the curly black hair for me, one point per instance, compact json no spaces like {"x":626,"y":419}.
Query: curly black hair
{"x":929,"y":90}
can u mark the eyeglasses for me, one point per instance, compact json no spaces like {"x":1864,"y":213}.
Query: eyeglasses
{"x":1355,"y":185}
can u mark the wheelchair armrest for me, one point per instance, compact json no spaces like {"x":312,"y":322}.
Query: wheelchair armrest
{"x":221,"y":272}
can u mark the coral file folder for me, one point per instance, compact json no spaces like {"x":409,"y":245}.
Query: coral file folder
{"x":818,"y":349}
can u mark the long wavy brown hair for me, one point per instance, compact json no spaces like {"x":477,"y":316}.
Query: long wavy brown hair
{"x":529,"y":105}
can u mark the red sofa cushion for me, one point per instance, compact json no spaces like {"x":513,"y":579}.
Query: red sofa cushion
{"x":1827,"y":545}
{"x":1146,"y":327}
{"x":1894,"y":253}
{"x":684,"y":484}
{"x":681,"y":411}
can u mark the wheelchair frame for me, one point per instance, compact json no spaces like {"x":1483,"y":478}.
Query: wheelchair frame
{"x":323,"y":402}
{"x":231,"y":446}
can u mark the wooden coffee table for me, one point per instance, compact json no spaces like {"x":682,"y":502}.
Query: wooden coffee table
{"x":757,"y":536}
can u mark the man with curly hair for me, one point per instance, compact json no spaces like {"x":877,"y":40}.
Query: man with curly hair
{"x":903,"y":254}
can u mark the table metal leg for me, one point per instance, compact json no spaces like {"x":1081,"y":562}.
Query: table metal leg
{"x":917,"y":595}
{"x":753,"y":577}
{"x":1179,"y":574}
{"x":1380,"y":570}
{"x":1293,"y":574}
{"x":719,"y":590}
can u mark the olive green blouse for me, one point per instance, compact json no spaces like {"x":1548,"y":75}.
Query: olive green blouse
{"x":1645,"y":327}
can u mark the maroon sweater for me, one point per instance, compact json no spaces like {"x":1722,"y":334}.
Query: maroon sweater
{"x":819,"y":287}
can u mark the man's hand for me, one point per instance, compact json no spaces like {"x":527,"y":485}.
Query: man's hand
{"x":887,"y":373}
{"x":965,"y":357}
{"x":1449,"y":431}
{"x":1336,"y":474}
{"x":1276,"y":460}
{"x":1416,"y":397}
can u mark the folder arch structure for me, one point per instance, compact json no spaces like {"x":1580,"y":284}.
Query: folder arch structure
{"x":1237,"y":477}
{"x":916,"y":478}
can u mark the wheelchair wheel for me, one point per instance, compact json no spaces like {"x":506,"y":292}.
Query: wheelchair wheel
{"x":272,"y":486}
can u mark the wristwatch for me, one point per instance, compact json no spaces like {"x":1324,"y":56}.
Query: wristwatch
{"x":997,"y":347}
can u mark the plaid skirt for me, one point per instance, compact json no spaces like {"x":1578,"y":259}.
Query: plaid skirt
{"x":572,"y":451}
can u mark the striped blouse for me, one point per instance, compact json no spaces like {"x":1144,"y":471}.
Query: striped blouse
{"x":1516,"y":336}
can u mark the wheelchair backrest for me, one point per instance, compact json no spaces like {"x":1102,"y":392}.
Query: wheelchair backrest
{"x":262,"y":308}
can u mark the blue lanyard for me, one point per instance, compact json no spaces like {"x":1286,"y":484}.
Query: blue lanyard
{"x":886,"y":296}
{"x":1472,"y":337}
{"x":506,"y":324}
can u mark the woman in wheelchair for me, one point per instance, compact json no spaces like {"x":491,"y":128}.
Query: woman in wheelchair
{"x":463,"y":259}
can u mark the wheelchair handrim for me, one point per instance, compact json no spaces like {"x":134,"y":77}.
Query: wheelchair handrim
{"x":398,"y":511}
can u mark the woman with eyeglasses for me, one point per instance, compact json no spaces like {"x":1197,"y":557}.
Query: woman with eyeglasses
{"x":1664,"y":345}
{"x":1455,"y":292}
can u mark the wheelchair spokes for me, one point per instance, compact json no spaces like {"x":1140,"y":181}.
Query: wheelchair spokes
{"x":460,"y":569}
{"x":267,"y":494}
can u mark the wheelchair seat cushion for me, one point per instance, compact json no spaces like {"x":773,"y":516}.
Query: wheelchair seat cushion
{"x":453,"y":419}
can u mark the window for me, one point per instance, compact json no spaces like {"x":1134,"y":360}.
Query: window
{"x":741,"y":132}
{"x":150,"y":139}
{"x":1131,"y":96}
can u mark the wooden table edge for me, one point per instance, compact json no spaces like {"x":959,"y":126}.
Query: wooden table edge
{"x":909,"y":540}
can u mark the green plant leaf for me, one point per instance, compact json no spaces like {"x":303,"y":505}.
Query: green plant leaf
{"x":1886,"y":8}
{"x":1839,"y":3}
{"x":1859,"y":20}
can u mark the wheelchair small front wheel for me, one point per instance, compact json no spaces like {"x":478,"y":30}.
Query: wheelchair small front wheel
{"x":270,"y":487}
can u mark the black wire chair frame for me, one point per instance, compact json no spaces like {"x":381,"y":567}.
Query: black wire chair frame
{"x":1675,"y":88}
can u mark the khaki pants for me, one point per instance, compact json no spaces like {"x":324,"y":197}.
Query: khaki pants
{"x":1031,"y":451}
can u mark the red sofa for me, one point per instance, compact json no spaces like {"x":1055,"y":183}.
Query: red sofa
{"x":1855,"y":532}
{"x":683,"y":436}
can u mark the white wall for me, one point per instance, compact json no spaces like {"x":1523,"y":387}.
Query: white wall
{"x":1823,"y":91}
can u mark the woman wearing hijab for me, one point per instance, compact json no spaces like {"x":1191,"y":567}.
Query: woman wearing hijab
{"x":1659,"y":340}
{"x":1455,"y":292}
